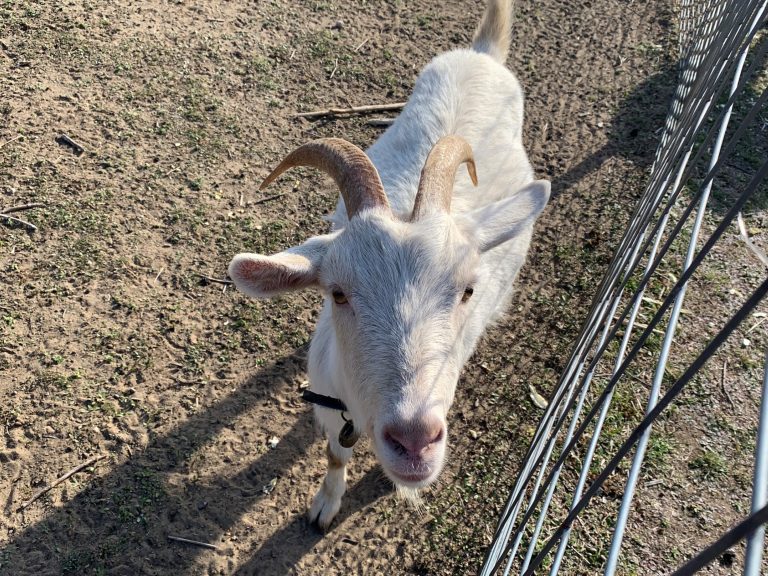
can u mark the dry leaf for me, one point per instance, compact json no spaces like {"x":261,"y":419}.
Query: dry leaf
{"x":269,"y":487}
{"x":537,"y":398}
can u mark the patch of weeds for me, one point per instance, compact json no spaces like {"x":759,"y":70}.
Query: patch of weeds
{"x":76,"y":217}
{"x":5,"y":555}
{"x":197,"y":103}
{"x":660,"y":448}
{"x":76,"y":259}
{"x":195,"y":184}
{"x":162,"y":127}
{"x":709,"y":465}
{"x":425,"y":21}
{"x":78,"y":561}
{"x":100,"y":402}
{"x":273,"y":237}
{"x":650,"y":49}
{"x":9,"y":319}
{"x":320,"y":6}
{"x":259,"y":70}
{"x":136,"y":358}
{"x":130,"y":356}
{"x":10,"y":416}
{"x":246,"y":321}
{"x":117,"y":302}
{"x":133,"y":501}
{"x":742,"y":439}
{"x":320,"y":44}
{"x":50,"y":379}
{"x":260,"y":65}
{"x":194,"y":359}
{"x":76,"y":438}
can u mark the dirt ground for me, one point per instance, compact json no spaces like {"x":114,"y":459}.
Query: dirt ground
{"x":114,"y":344}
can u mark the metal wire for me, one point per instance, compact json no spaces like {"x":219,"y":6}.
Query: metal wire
{"x":755,"y":542}
{"x":715,"y":37}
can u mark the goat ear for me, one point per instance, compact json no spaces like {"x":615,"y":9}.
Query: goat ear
{"x":266,"y":276}
{"x":503,"y":220}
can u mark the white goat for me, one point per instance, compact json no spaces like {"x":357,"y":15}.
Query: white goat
{"x":417,"y":265}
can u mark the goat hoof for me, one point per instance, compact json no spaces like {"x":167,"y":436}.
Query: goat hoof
{"x":324,"y":509}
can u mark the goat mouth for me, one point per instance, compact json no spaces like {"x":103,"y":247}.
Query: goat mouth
{"x":413,"y":478}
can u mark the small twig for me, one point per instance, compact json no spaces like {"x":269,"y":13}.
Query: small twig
{"x":159,"y":273}
{"x":361,"y":45}
{"x":643,"y":327}
{"x":215,"y":280}
{"x":722,"y":385}
{"x":744,"y":236}
{"x":267,"y":199}
{"x":28,"y":225}
{"x":67,"y":141}
{"x":659,"y":303}
{"x":8,"y":508}
{"x":351,"y":110}
{"x":380,"y":122}
{"x":11,"y":140}
{"x":22,"y":207}
{"x":60,"y":479}
{"x":7,"y":350}
{"x":193,"y":542}
{"x":756,"y":325}
{"x":335,"y":68}
{"x":186,"y":382}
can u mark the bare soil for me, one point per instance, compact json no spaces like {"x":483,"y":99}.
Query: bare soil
{"x":114,"y":343}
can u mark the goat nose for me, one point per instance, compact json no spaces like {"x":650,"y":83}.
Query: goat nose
{"x":414,"y":438}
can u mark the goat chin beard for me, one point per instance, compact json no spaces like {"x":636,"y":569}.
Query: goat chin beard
{"x":412,"y":496}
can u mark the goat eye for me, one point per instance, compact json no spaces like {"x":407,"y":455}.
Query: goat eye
{"x":339,"y":297}
{"x":468,"y":291}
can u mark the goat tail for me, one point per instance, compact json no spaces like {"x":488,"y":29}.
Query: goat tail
{"x":494,"y":32}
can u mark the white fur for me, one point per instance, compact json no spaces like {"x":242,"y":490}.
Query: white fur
{"x":394,"y":351}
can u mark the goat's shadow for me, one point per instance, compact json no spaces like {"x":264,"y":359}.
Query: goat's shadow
{"x":280,"y":553}
{"x":119,"y":525}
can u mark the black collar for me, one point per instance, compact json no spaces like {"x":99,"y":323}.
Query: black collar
{"x":324,"y":401}
{"x":348,"y":436}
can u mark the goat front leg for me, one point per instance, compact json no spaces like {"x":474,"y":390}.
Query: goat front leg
{"x":327,"y":501}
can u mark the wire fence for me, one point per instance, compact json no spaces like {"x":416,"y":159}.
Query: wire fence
{"x":716,"y":110}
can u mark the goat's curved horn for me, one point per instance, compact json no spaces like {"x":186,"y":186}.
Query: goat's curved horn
{"x":439,"y":173}
{"x":354,"y":173}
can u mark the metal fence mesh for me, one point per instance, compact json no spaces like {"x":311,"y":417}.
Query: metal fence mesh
{"x":718,"y":103}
